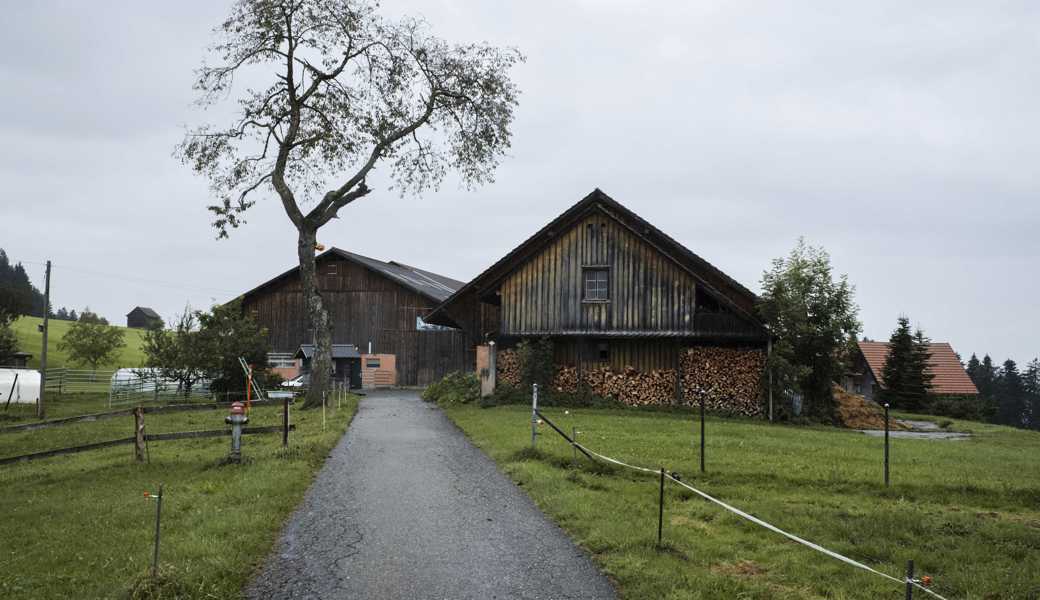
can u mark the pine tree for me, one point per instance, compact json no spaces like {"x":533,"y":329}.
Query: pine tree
{"x":920,"y":376}
{"x":1011,"y":408}
{"x":905,"y":377}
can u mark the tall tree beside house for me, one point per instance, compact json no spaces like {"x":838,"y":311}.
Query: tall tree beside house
{"x":348,"y":90}
{"x":815,"y":320}
{"x":985,"y":379}
{"x":1011,"y":409}
{"x":907,"y":378}
{"x":92,"y":344}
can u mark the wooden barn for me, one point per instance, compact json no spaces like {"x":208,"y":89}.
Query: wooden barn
{"x":375,"y":306}
{"x":142,"y":317}
{"x":631,"y":313}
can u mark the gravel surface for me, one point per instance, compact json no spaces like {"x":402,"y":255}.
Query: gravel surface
{"x":406,"y":507}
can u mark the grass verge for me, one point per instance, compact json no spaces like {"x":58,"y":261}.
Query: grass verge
{"x":78,"y":526}
{"x":967,"y":512}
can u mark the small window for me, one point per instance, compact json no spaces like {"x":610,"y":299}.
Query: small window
{"x":332,"y":269}
{"x":603,"y":351}
{"x":597,"y":284}
{"x":372,"y":363}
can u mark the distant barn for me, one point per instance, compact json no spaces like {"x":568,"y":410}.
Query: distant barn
{"x":142,"y":317}
{"x":377,"y":307}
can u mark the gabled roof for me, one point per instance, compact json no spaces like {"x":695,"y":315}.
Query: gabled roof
{"x":950,"y":378}
{"x":431,"y":285}
{"x":338,"y":351}
{"x":151,"y":314}
{"x":726,"y":289}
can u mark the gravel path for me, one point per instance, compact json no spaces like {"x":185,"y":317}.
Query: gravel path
{"x":406,"y":508}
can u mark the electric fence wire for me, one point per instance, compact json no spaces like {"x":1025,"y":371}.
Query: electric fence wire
{"x":762,"y":523}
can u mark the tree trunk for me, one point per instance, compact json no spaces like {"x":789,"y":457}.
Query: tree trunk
{"x":321,"y":364}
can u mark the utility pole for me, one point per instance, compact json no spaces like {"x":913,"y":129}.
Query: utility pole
{"x":43,"y":353}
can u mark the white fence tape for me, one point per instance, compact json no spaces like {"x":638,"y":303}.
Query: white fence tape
{"x":762,"y":523}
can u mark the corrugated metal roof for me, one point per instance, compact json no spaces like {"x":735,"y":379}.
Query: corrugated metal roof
{"x":950,"y":378}
{"x":338,"y":351}
{"x":435,"y":287}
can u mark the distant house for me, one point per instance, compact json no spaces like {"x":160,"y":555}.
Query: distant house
{"x":142,"y":317}
{"x":631,"y":313}
{"x":949,"y":376}
{"x":377,"y":310}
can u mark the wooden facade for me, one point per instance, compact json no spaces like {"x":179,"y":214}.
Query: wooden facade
{"x":614,"y":294}
{"x":372,"y":305}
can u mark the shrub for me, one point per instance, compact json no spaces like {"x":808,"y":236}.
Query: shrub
{"x":455,"y":388}
{"x":536,"y":363}
{"x":505,"y":394}
{"x":969,"y":408}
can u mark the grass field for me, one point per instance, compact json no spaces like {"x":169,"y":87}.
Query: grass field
{"x":78,"y":526}
{"x":31,"y":340}
{"x":967,"y":512}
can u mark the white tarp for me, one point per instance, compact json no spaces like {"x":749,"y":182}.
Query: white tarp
{"x":23,"y":389}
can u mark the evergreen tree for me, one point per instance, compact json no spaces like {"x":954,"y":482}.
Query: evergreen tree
{"x":973,"y":368}
{"x":88,"y":316}
{"x":17,"y":294}
{"x":920,"y":372}
{"x":1011,"y":409}
{"x":906,"y":377}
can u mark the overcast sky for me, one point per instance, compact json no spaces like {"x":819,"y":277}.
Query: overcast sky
{"x":902,"y":137}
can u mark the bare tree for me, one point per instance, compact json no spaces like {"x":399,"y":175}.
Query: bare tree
{"x":346,"y":91}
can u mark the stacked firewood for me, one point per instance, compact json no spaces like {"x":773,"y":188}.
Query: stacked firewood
{"x":628,"y":386}
{"x":507,"y":366}
{"x":728,"y":379}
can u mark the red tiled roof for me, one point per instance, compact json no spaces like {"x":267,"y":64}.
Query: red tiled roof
{"x":950,"y":377}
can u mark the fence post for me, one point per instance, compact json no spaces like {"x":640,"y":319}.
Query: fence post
{"x":574,"y":447}
{"x":139,"y":434}
{"x":910,"y":579}
{"x":61,"y":381}
{"x":534,"y":413}
{"x":702,"y":432}
{"x":886,"y":444}
{"x":660,"y":510}
{"x":285,"y":422}
{"x":158,"y":517}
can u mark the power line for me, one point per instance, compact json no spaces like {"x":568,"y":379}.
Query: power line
{"x":138,"y":280}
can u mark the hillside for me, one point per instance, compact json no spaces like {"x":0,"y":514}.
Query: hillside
{"x":29,"y":340}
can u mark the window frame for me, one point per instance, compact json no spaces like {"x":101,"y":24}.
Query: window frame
{"x":605,"y":289}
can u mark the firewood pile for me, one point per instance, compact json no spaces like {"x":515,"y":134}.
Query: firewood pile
{"x":507,"y":366}
{"x":632,"y":387}
{"x":729,"y":379}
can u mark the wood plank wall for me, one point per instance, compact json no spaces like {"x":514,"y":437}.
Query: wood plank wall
{"x":363,"y":306}
{"x":648,"y":292}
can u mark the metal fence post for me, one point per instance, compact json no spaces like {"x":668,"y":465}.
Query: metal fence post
{"x":886,"y":444}
{"x":534,"y":413}
{"x":574,"y":447}
{"x":910,"y":580}
{"x":660,"y":510}
{"x":702,"y":432}
{"x":158,"y":517}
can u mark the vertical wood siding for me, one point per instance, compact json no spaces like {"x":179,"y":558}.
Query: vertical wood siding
{"x":363,"y":306}
{"x":648,"y":292}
